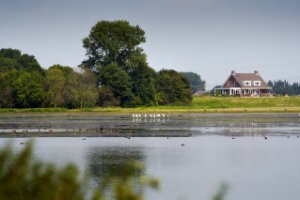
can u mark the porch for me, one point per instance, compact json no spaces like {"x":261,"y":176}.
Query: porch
{"x":237,"y":92}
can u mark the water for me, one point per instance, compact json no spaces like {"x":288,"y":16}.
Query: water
{"x":252,"y":166}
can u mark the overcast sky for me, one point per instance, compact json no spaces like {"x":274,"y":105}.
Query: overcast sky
{"x":208,"y":37}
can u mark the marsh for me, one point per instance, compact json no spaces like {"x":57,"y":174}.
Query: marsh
{"x":252,"y":166}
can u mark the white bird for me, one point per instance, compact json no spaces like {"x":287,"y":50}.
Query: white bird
{"x":140,"y":116}
{"x":158,"y":115}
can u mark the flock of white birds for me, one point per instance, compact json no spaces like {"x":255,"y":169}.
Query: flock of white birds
{"x":139,"y":116}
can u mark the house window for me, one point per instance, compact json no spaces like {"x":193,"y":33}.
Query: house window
{"x":247,"y":83}
{"x":257,"y":83}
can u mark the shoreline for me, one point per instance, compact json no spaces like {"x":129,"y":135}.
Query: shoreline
{"x":113,"y":132}
{"x":118,"y":110}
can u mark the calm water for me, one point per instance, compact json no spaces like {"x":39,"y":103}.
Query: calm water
{"x":254,"y":167}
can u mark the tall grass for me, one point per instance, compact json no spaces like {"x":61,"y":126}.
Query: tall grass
{"x":199,"y":104}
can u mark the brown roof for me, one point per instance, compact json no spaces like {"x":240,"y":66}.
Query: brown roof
{"x":241,"y":77}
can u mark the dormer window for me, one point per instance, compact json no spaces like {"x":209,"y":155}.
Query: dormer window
{"x":247,"y":83}
{"x":257,"y":83}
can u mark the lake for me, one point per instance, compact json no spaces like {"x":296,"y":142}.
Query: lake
{"x":223,"y":148}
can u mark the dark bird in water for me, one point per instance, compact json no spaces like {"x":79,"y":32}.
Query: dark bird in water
{"x":101,"y":128}
{"x":182,"y":145}
{"x":266,"y":137}
{"x":22,"y":143}
{"x":83,"y":139}
{"x":297,"y":136}
{"x":233,"y":138}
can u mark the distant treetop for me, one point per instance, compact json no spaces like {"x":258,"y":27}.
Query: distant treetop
{"x":14,"y":59}
{"x":195,"y":81}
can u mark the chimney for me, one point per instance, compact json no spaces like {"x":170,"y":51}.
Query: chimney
{"x":232,"y":72}
{"x":256,"y":72}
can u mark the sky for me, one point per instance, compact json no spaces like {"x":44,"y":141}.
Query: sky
{"x":208,"y":37}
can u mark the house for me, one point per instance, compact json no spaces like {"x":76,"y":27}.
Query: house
{"x":244,"y":84}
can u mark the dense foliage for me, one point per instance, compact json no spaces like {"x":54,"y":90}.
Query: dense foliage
{"x":115,"y":73}
{"x":116,"y":58}
{"x":196,"y":83}
{"x":21,"y":80}
{"x":13,"y":59}
{"x":58,"y":86}
{"x":284,"y":87}
{"x":172,"y":87}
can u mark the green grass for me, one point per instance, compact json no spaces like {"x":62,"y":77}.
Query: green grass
{"x":25,"y":110}
{"x":237,"y":102}
{"x":199,"y":104}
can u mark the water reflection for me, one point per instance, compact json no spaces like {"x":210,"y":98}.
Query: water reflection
{"x":112,"y":161}
{"x":93,"y":124}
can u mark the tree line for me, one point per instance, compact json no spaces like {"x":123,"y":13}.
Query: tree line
{"x":284,"y":87}
{"x":115,"y":73}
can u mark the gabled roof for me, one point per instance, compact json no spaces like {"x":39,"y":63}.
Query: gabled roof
{"x":241,"y":77}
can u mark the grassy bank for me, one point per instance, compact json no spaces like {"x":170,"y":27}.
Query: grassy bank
{"x":199,"y":104}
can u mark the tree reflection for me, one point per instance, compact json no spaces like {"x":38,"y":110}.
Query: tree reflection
{"x":114,"y":162}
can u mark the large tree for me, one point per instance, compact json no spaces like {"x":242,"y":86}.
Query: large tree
{"x":115,"y":57}
{"x":111,"y":42}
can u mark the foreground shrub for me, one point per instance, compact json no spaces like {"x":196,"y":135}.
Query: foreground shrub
{"x":22,"y":177}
